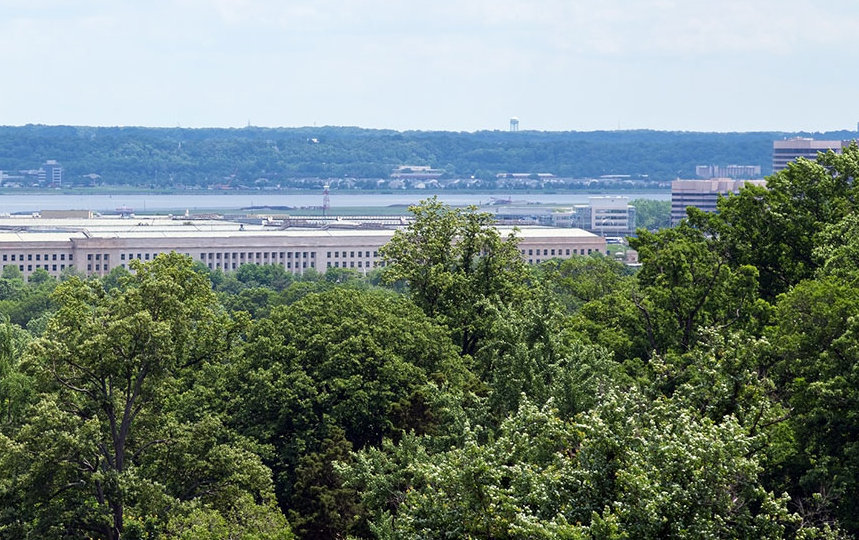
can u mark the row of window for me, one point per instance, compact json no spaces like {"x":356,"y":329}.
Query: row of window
{"x":351,"y":264}
{"x":337,"y":254}
{"x":38,"y":257}
{"x":289,"y":265}
{"x":30,"y":267}
{"x":259,"y":255}
{"x":139,"y":257}
{"x":558,"y":252}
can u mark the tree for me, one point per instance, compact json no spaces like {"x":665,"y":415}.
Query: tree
{"x":336,"y":371}
{"x":685,"y":283}
{"x":456,"y":265}
{"x":100,"y":449}
{"x":815,"y":342}
{"x":651,"y":214}
{"x":777,"y":228}
{"x":16,"y":388}
{"x":629,"y":468}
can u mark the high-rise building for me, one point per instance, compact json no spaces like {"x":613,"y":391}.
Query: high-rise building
{"x":51,"y":173}
{"x":702,"y":194}
{"x":791,"y":149}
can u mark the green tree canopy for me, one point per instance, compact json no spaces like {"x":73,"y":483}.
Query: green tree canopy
{"x":456,"y":264}
{"x":107,"y":450}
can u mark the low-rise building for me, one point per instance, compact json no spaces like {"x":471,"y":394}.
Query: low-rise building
{"x":96,"y":246}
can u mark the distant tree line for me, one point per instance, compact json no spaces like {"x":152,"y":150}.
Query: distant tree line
{"x":263,"y":157}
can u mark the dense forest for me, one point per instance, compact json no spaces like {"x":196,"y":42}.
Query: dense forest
{"x":458,"y":392}
{"x":168,"y":158}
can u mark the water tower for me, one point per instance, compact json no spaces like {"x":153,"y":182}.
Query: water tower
{"x":514,"y":124}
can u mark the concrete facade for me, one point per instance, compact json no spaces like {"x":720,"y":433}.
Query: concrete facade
{"x":96,"y":246}
{"x":791,"y":149}
{"x":702,"y":194}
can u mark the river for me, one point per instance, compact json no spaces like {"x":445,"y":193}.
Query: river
{"x":11,"y":203}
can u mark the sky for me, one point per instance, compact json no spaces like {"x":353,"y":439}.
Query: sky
{"x":453,"y":65}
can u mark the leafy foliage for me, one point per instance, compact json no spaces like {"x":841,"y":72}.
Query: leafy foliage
{"x":710,"y":394}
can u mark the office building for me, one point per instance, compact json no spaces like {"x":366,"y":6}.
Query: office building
{"x":611,"y":216}
{"x":791,"y":149}
{"x":702,"y":194}
{"x":605,"y":216}
{"x":95,"y":246}
{"x":51,"y":173}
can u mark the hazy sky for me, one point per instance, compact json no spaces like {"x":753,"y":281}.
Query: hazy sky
{"x":460,"y":65}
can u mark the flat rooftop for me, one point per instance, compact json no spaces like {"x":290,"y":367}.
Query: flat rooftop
{"x":15,"y":228}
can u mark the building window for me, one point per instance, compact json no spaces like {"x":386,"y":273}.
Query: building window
{"x":329,"y":255}
{"x":29,"y":256}
{"x":98,"y":256}
{"x":122,"y":256}
{"x":37,"y":256}
{"x":147,"y":256}
{"x":89,"y":267}
{"x":568,"y":251}
{"x":6,"y":256}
